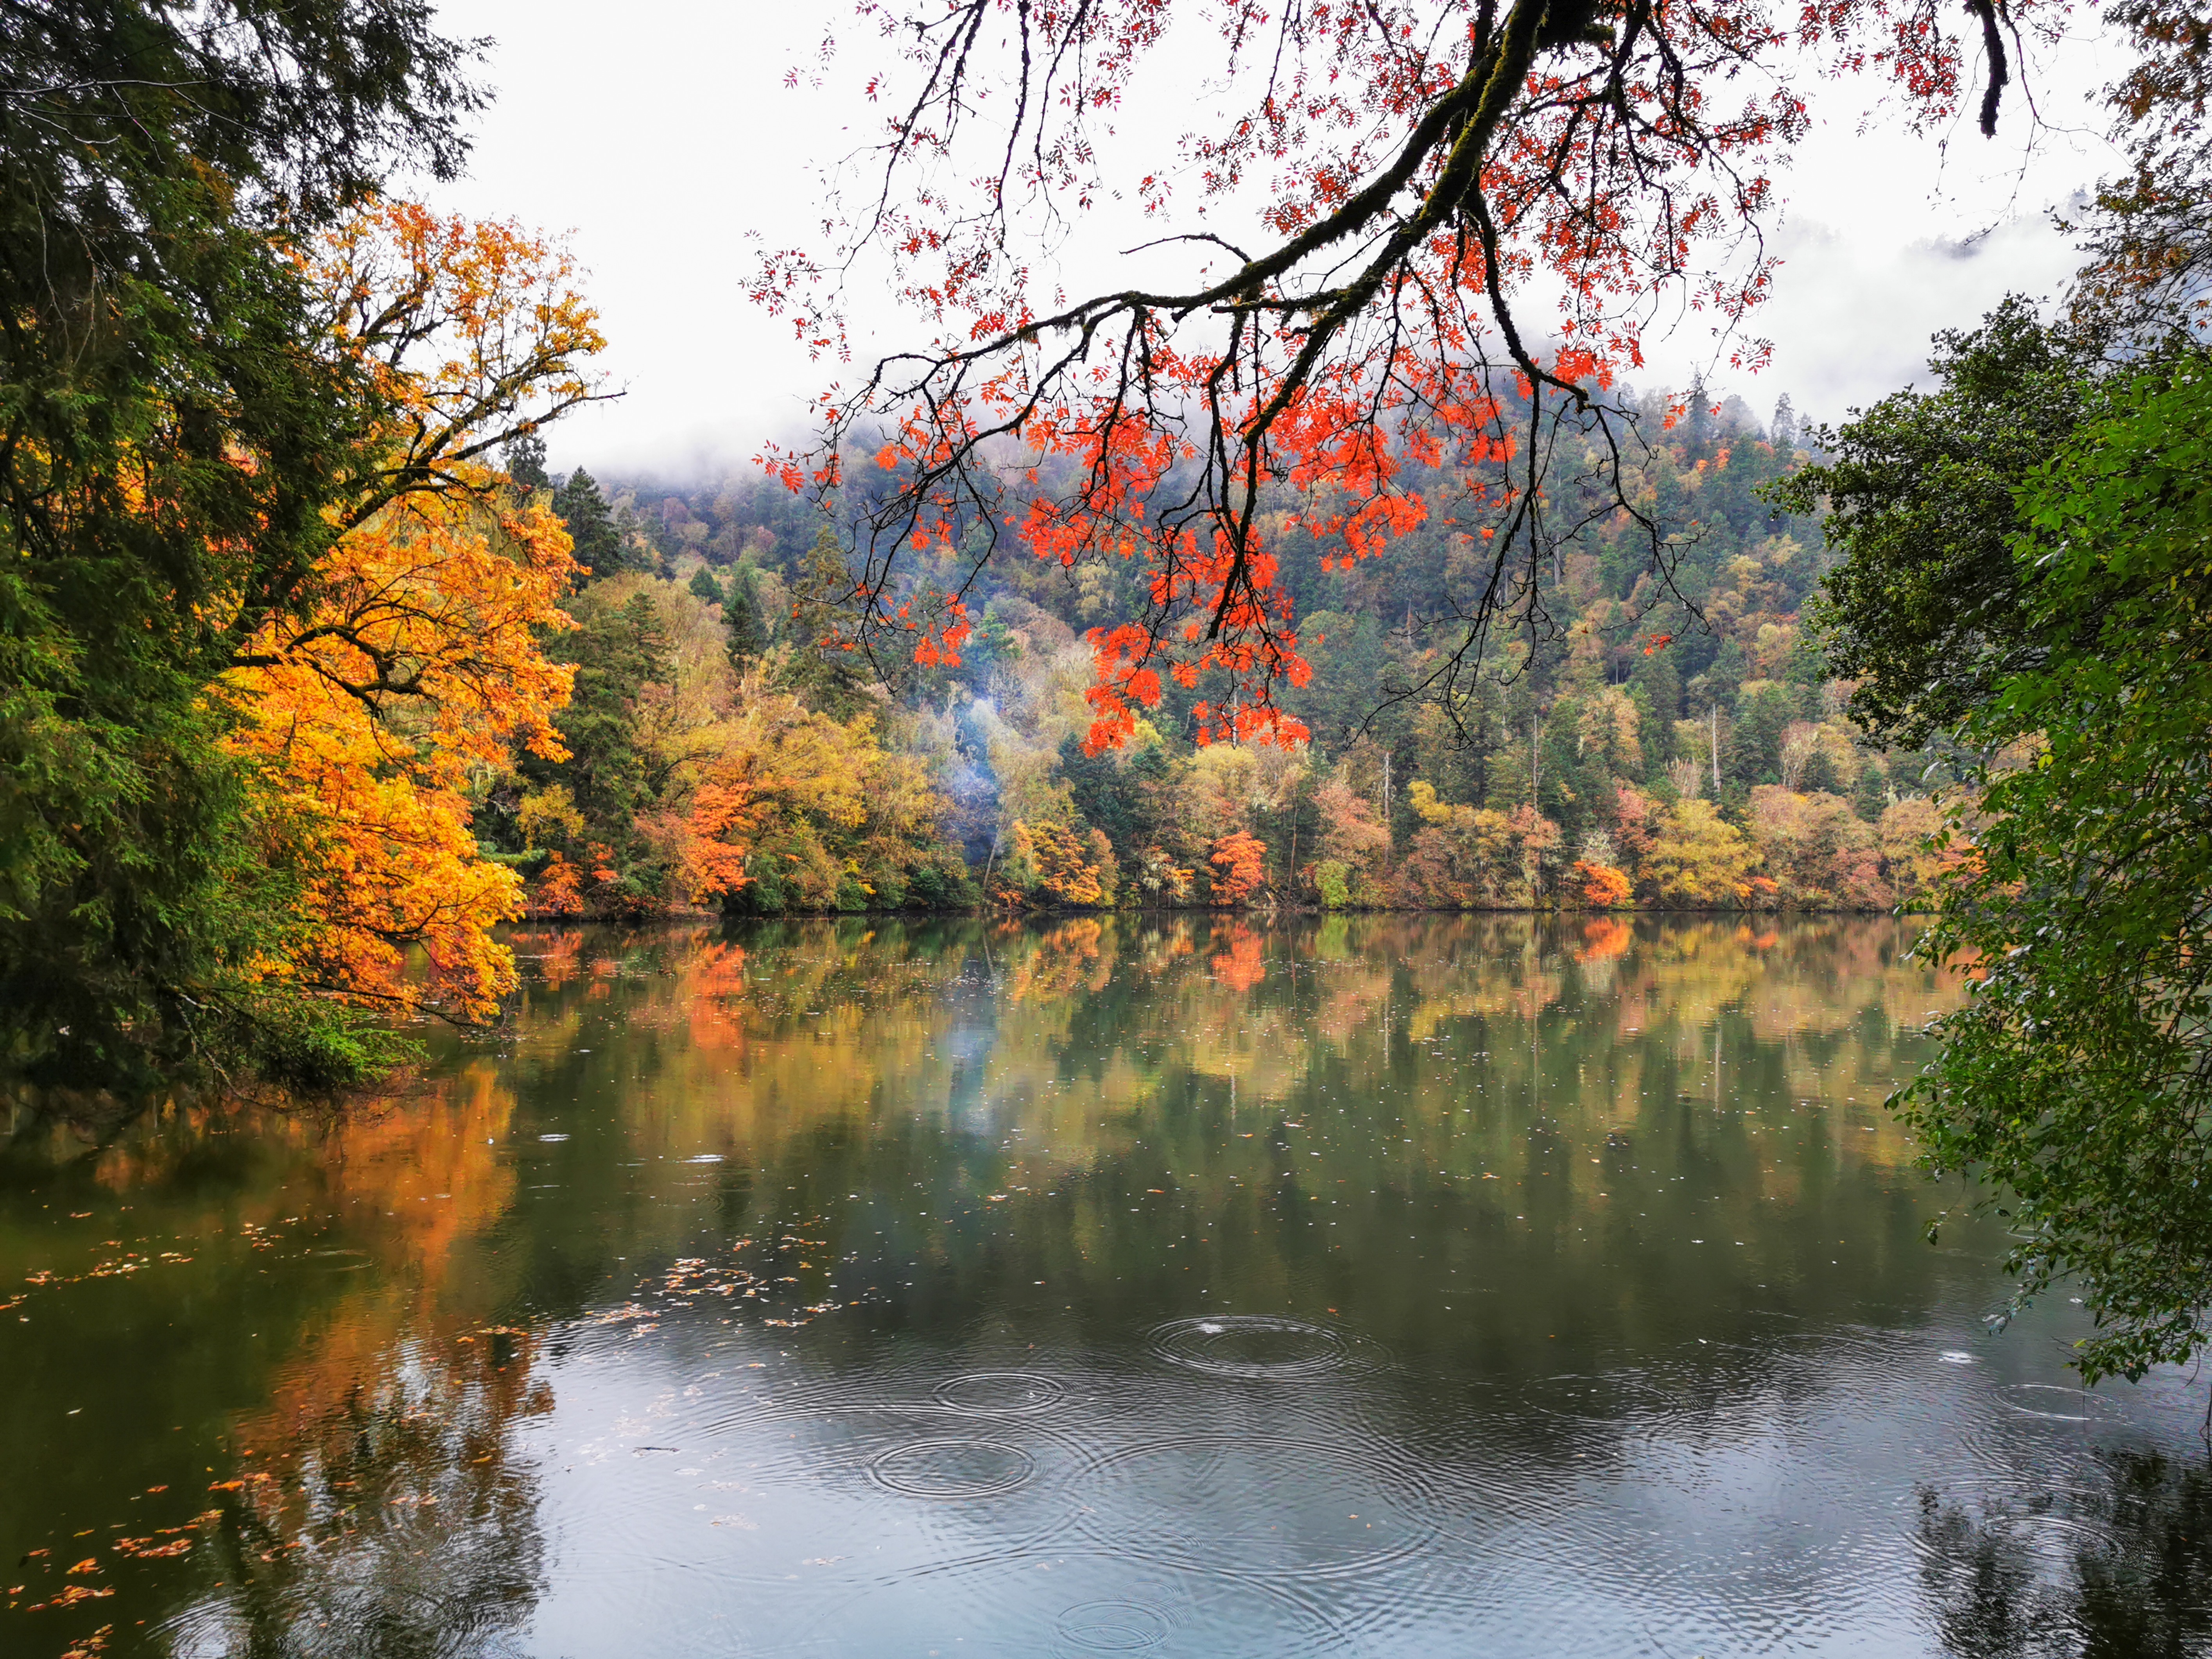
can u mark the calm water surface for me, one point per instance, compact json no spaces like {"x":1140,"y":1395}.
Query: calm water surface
{"x":1374,"y":1286}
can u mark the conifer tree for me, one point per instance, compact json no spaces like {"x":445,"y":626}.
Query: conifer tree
{"x":741,"y":616}
{"x":584,"y":510}
{"x":525,"y":461}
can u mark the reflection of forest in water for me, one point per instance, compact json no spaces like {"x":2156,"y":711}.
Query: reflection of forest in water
{"x":1518,"y":1148}
{"x":2117,"y":1566}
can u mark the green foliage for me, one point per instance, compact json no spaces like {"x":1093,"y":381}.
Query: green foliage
{"x":525,"y":460}
{"x":823,"y":665}
{"x":1752,"y":750}
{"x":599,"y":547}
{"x":164,"y":166}
{"x":618,"y":650}
{"x":741,"y":619}
{"x":1926,"y":610}
{"x":2078,"y":1077}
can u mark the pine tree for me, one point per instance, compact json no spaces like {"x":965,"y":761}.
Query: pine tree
{"x":525,"y":461}
{"x":584,"y":510}
{"x":823,"y":669}
{"x":741,"y":616}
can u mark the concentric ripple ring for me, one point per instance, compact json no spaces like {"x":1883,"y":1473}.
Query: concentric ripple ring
{"x":1114,"y":1626}
{"x":1251,"y":1345}
{"x":999,"y":1394}
{"x":951,"y":1468}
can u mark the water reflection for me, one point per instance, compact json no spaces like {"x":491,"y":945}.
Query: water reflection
{"x":2119,"y":1565}
{"x":1389,"y":1286}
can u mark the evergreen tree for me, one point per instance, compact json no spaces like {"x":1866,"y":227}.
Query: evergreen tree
{"x":1870,"y":796}
{"x":1752,"y":749}
{"x":1656,"y":687}
{"x":525,"y":461}
{"x":618,"y":652}
{"x":741,"y":618}
{"x":164,"y":166}
{"x":704,"y":587}
{"x":591,"y":526}
{"x":822,"y":668}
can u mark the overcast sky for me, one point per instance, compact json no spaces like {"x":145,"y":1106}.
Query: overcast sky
{"x":659,"y":136}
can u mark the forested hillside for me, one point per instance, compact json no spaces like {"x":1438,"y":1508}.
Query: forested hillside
{"x":1681,"y":748}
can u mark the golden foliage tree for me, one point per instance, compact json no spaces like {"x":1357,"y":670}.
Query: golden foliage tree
{"x":413,"y":661}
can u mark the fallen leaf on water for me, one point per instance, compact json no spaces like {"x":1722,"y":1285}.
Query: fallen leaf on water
{"x":71,"y":1596}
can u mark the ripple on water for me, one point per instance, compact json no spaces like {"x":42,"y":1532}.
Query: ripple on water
{"x":1255,"y":1346}
{"x":831,"y":1496}
{"x":1606,"y":1398}
{"x":1000,"y":1394}
{"x":1078,"y":1606}
{"x":1259,"y":1504}
{"x":2055,"y":1402}
{"x":953,"y":1467}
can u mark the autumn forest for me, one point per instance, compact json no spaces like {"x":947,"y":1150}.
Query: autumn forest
{"x":1362,"y":564}
{"x":1678,"y":744}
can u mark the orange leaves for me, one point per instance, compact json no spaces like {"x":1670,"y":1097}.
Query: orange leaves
{"x":1240,"y":863}
{"x":716,"y":843}
{"x":559,"y":888}
{"x":941,"y":636}
{"x":413,"y":664}
{"x":1603,"y":887}
{"x":1193,"y":409}
{"x":1051,"y":862}
{"x":1604,"y":939}
{"x":418,"y":663}
{"x":471,"y":330}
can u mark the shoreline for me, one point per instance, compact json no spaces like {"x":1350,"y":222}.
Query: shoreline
{"x":616,"y":919}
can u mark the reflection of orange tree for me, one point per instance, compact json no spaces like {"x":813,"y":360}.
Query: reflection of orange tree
{"x":377,"y":1493}
{"x":373,"y":1491}
{"x":1604,"y":939}
{"x":382,"y":1510}
{"x":1060,"y":962}
{"x":1240,"y":965}
{"x":717,"y":972}
{"x":556,"y":952}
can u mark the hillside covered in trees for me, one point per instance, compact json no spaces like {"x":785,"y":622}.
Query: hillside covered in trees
{"x":1673,"y":746}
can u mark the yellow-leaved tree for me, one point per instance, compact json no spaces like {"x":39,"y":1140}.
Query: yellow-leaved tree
{"x":411,"y":661}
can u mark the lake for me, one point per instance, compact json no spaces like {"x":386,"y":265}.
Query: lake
{"x":1378,"y":1286}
